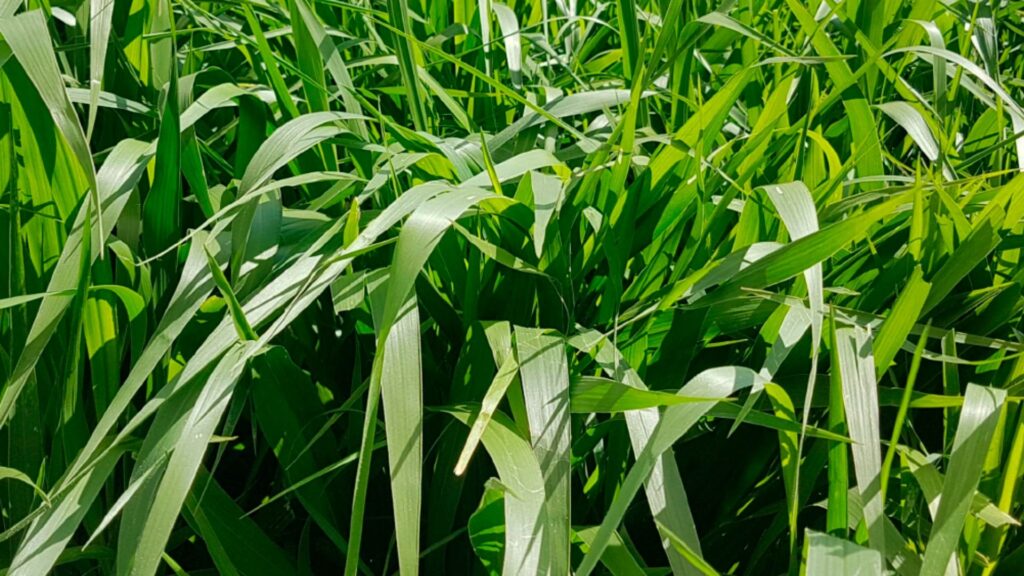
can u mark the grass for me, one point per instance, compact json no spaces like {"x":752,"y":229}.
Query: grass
{"x":522,"y":287}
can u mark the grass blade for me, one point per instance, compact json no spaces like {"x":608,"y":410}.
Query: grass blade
{"x":714,"y":384}
{"x":973,"y":435}
{"x":525,"y":507}
{"x":830,"y":555}
{"x":101,"y":13}
{"x":402,"y":394}
{"x":860,"y":400}
{"x":544,"y":374}
{"x":25,"y":34}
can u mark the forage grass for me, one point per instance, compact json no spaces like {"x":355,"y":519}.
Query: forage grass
{"x":511,"y":287}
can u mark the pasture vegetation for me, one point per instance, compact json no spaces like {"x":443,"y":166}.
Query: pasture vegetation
{"x":524,"y":287}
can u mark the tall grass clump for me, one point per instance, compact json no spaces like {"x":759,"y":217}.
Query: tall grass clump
{"x":625,"y":287}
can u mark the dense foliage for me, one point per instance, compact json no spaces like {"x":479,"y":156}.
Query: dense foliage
{"x":523,"y":287}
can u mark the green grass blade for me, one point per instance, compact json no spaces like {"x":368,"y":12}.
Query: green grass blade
{"x":666,"y":495}
{"x":402,"y":395}
{"x":911,"y":120}
{"x":398,"y":14}
{"x":19,"y":476}
{"x":696,"y":561}
{"x":507,"y":373}
{"x":101,"y":14}
{"x":150,"y":516}
{"x":334,"y":64}
{"x":860,"y":400}
{"x":525,"y":508}
{"x":42,"y":545}
{"x":973,"y":435}
{"x":544,"y":373}
{"x":161,"y":209}
{"x":116,"y":179}
{"x":594,"y":395}
{"x":904,"y":314}
{"x":714,"y":383}
{"x":830,"y":555}
{"x":837,"y":519}
{"x":28,"y":38}
{"x":797,"y":256}
{"x":617,"y":558}
{"x":901,"y":415}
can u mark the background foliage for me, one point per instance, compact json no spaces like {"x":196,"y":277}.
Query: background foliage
{"x":522,"y":287}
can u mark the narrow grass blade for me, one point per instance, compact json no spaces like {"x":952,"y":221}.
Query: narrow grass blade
{"x":507,"y":373}
{"x":544,"y":374}
{"x":149,"y":518}
{"x":901,"y":319}
{"x":789,"y":447}
{"x":525,"y":508}
{"x":28,"y":37}
{"x":42,"y":545}
{"x":19,"y":476}
{"x":837,"y":519}
{"x":911,"y":120}
{"x":666,"y":495}
{"x":335,"y":65}
{"x":402,"y":395}
{"x":973,"y":435}
{"x":617,"y":558}
{"x":798,"y":256}
{"x":398,"y":13}
{"x":118,"y":176}
{"x":830,"y":555}
{"x":101,"y":13}
{"x":595,"y":395}
{"x":860,"y":400}
{"x":715,"y":383}
{"x":696,"y":561}
{"x":161,"y":209}
{"x":510,"y":34}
